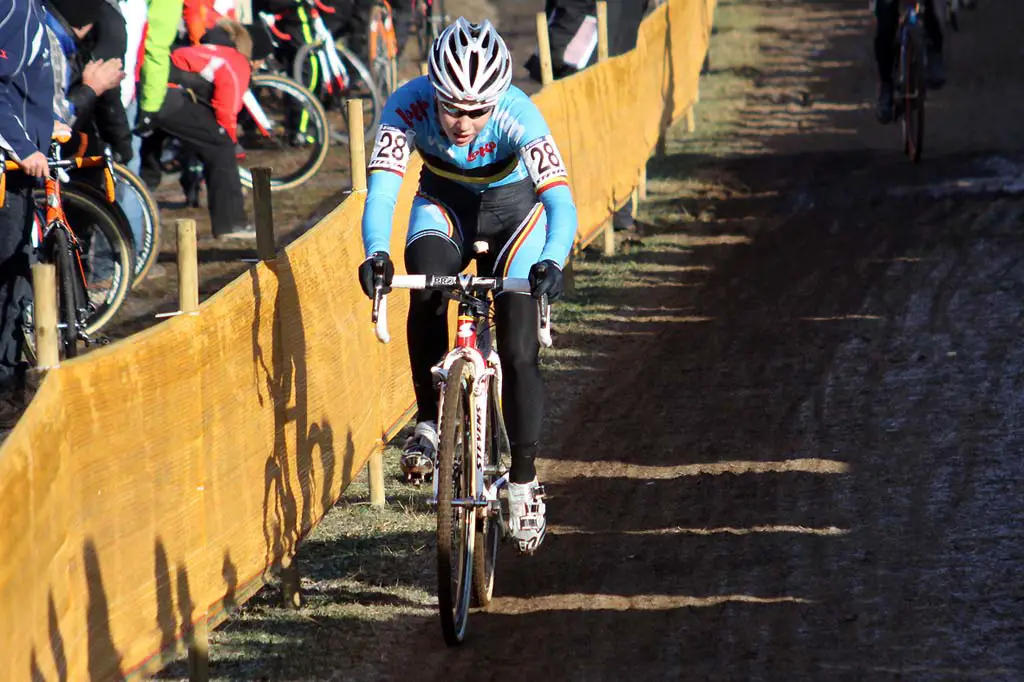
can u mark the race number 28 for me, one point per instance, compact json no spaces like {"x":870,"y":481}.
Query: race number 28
{"x":543,"y":161}
{"x":390,"y":150}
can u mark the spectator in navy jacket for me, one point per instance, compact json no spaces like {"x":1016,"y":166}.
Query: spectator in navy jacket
{"x":26,"y":124}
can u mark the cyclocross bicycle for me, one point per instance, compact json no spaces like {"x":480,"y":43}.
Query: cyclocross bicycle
{"x":471,"y":472}
{"x":328,"y":69}
{"x":93,"y":261}
{"x":910,"y":83}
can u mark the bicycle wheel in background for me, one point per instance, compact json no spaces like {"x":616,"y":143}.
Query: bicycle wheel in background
{"x":488,"y":529}
{"x":308,"y":69}
{"x":456,"y":527}
{"x":106,"y":253}
{"x":912,"y":64}
{"x":143,"y":218}
{"x":293,"y":138}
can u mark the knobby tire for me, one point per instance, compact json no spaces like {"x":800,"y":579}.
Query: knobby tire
{"x":314,"y":121}
{"x":67,"y":294}
{"x":454,"y":474}
{"x":488,"y":529}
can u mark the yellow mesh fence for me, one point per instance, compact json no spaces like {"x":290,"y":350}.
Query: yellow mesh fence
{"x":155,"y":481}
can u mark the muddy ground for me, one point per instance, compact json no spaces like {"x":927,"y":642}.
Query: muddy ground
{"x":791,"y":447}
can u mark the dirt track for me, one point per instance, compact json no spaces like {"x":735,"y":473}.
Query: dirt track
{"x":807,"y":464}
{"x":799,"y":451}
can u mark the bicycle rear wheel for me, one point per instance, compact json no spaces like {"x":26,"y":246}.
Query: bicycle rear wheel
{"x":455,"y":523}
{"x":105,"y":252}
{"x":69,"y":284}
{"x":143,"y":218}
{"x":293,"y":140}
{"x":488,"y":529}
{"x":914,"y":89}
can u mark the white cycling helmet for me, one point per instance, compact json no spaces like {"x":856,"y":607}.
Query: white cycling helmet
{"x":469,"y":64}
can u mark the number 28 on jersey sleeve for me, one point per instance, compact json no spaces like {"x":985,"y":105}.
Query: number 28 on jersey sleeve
{"x":544,"y":163}
{"x":390,"y":150}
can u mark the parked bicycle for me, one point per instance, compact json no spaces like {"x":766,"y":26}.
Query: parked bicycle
{"x":472,"y":472}
{"x":328,"y":69}
{"x":93,"y":260}
{"x":910,"y":83}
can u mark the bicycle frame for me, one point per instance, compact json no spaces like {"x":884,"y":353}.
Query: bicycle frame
{"x":484,"y":369}
{"x":53,"y":216}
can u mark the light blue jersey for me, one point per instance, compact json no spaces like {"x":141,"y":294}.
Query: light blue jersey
{"x":514,"y":145}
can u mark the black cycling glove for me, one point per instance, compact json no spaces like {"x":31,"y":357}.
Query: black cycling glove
{"x":377,"y":264}
{"x":546,"y":278}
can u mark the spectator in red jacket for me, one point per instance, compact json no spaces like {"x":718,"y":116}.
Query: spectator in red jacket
{"x":204,"y":96}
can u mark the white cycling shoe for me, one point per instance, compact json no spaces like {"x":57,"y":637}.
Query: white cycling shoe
{"x":420,"y":454}
{"x":526,"y":521}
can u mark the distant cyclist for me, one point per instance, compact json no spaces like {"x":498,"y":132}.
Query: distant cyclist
{"x":887,"y":12}
{"x":494,"y":184}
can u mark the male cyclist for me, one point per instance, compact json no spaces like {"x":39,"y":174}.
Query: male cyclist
{"x":493,"y":186}
{"x":887,"y":14}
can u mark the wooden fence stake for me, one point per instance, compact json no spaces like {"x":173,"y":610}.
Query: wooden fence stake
{"x":291,"y":586}
{"x":635,"y":201}
{"x":569,"y":274}
{"x":44,"y":315}
{"x":642,"y":184}
{"x":375,"y":474}
{"x":544,"y":50}
{"x":356,"y":144}
{"x":691,"y":123}
{"x":188,"y":267}
{"x":424,"y":68}
{"x":199,"y":651}
{"x":263,"y":208}
{"x":609,"y":237}
{"x":602,"y":30}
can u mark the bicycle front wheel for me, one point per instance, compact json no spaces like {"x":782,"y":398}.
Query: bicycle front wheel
{"x":68,"y":281}
{"x":143,"y":219}
{"x":912,"y":61}
{"x":105,"y":253}
{"x":488,"y":528}
{"x":289,"y":133}
{"x":455,"y":522}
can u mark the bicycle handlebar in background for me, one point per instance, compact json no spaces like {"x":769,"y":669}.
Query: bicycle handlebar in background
{"x":450,"y":283}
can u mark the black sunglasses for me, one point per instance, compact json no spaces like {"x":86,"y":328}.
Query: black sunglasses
{"x":455,"y":111}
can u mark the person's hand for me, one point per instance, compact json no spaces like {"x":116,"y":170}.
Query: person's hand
{"x":122,"y":152}
{"x":546,"y":278}
{"x":145,"y":123}
{"x":35,"y":165}
{"x":103,"y":75}
{"x":379,"y":264}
